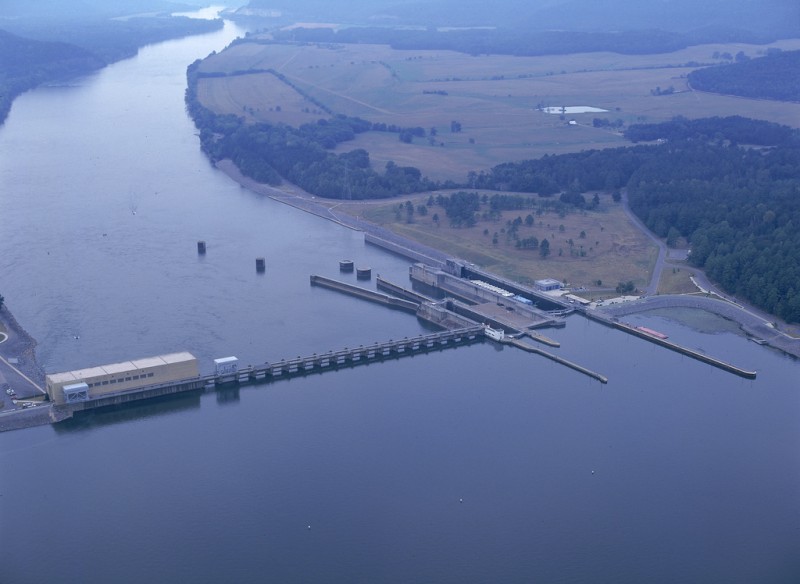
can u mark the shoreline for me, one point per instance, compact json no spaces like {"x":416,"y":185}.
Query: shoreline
{"x":20,"y":345}
{"x":740,"y":313}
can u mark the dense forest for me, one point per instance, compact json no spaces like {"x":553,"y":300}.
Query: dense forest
{"x":26,"y":63}
{"x":776,"y":76}
{"x":40,"y":51}
{"x":303,"y":155}
{"x":730,"y":186}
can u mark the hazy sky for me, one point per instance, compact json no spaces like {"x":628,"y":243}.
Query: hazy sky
{"x":677,"y":15}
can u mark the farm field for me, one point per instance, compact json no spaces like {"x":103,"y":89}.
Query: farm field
{"x":493,"y":97}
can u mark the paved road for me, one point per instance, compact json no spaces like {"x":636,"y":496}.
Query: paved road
{"x":655,"y":277}
{"x":18,"y":366}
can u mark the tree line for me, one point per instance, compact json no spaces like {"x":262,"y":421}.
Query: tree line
{"x":511,"y":41}
{"x":775,"y":76}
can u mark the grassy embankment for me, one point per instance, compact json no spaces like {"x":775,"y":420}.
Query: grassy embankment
{"x":494,"y":98}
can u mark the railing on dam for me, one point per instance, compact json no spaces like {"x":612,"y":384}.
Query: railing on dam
{"x":361,"y":354}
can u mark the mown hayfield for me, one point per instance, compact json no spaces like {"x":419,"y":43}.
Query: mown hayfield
{"x":494,"y":97}
{"x":257,"y":99}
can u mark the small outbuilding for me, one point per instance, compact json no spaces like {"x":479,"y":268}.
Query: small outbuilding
{"x":547,"y":285}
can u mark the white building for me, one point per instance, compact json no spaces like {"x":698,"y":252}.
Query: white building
{"x":547,"y":285}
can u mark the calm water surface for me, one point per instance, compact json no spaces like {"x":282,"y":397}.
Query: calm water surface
{"x":469,"y":465}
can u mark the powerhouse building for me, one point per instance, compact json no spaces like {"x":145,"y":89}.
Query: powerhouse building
{"x":96,"y":382}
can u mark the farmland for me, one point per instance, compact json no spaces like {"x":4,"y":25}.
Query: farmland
{"x":497,"y":102}
{"x":494,"y":98}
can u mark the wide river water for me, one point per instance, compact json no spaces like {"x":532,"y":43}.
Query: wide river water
{"x":476,"y":464}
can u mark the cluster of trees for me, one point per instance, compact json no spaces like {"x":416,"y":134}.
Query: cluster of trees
{"x":626,"y":287}
{"x":606,"y":123}
{"x":738,"y":206}
{"x":461,"y":208}
{"x":301,"y":155}
{"x":776,"y":76}
{"x":733,"y":129}
{"x":571,"y":174}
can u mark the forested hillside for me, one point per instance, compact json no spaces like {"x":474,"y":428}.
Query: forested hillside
{"x":38,"y":47}
{"x":26,"y":63}
{"x":726,"y":20}
{"x":776,"y":76}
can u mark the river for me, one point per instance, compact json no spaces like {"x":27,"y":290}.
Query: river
{"x":477,"y":464}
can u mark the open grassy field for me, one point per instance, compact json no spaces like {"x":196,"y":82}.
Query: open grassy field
{"x":494,"y":97}
{"x":613,"y":249}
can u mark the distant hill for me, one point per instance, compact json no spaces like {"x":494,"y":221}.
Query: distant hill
{"x":26,"y":63}
{"x":83,"y":10}
{"x":51,"y":40}
{"x":776,"y":76}
{"x":20,"y":56}
{"x":744,"y":20}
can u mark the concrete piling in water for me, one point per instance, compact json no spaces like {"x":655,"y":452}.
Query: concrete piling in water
{"x":364,"y":273}
{"x":346,"y":266}
{"x":201,"y":247}
{"x":261,"y":265}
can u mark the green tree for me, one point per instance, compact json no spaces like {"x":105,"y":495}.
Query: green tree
{"x":672,"y":236}
{"x":544,"y":248}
